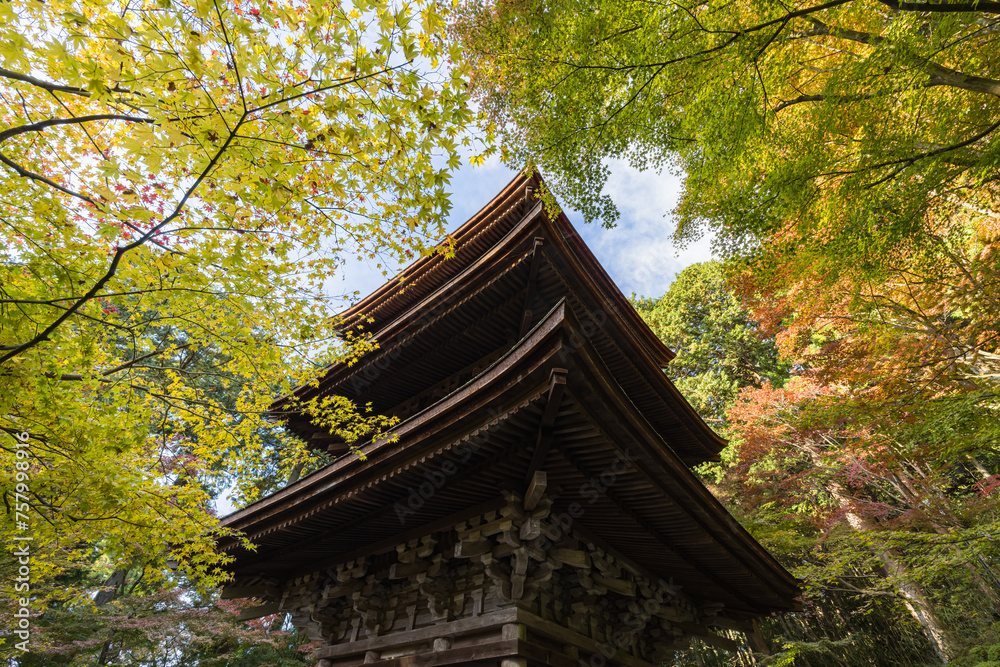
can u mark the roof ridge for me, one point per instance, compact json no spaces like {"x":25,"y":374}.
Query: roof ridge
{"x":481,"y":223}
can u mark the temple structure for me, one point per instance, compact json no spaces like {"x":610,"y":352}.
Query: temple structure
{"x":536,"y":505}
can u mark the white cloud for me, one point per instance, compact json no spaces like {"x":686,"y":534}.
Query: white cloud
{"x":639,"y":253}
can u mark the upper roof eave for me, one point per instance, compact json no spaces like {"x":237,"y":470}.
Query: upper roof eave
{"x":469,"y":229}
{"x":541,"y":331}
{"x":397,"y":289}
{"x":642,"y":345}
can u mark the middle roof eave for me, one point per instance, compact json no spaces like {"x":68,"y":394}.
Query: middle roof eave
{"x":433,"y":429}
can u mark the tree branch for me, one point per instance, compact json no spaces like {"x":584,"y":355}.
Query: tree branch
{"x":798,"y":100}
{"x":904,"y":163}
{"x":843,"y":98}
{"x":734,"y":36}
{"x":939,"y":75}
{"x":127,"y":364}
{"x":41,"y":125}
{"x":122,"y":250}
{"x":45,"y":85}
{"x":24,"y":173}
{"x":232,"y":56}
{"x":945,"y":76}
{"x":947,"y":7}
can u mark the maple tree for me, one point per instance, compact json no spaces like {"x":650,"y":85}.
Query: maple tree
{"x":886,"y":517}
{"x":727,"y":364}
{"x":890,"y":430}
{"x":842,"y":124}
{"x":179,"y":181}
{"x":152,"y":626}
{"x":863,"y":465}
{"x":844,"y":154}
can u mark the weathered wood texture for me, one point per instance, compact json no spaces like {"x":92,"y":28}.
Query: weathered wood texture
{"x":469,"y":592}
{"x":441,"y":317}
{"x":535,"y":505}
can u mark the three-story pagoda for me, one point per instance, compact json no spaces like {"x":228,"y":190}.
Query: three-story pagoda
{"x":536,"y":505}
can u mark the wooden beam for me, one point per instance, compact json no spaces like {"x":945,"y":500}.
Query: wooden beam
{"x":568,"y":637}
{"x":531,"y":528}
{"x":539,"y":655}
{"x":620,"y":586}
{"x":457,"y":628}
{"x":707,"y":636}
{"x":512,"y":651}
{"x":463,"y":655}
{"x":536,"y":489}
{"x":571,"y":557}
{"x":387,"y":544}
{"x":730,"y":624}
{"x":529,"y":296}
{"x":251,"y":613}
{"x":237,"y":592}
{"x":404,"y":570}
{"x":472,"y":549}
{"x":557,"y":387}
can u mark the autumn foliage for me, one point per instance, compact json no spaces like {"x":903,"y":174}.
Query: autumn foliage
{"x":180,"y":181}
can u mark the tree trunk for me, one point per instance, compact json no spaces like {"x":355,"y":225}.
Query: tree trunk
{"x":113,"y":585}
{"x":913,"y":596}
{"x":294,"y":475}
{"x":980,"y":468}
{"x":756,"y":641}
{"x":907,"y":487}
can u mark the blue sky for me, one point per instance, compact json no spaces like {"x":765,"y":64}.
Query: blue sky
{"x":638,"y":253}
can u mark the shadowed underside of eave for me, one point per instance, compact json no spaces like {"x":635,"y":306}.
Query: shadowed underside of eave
{"x":436,"y":328}
{"x":656,"y":513}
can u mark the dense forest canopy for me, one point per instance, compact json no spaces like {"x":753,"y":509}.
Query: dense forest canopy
{"x":778,"y":114}
{"x":862,"y":496}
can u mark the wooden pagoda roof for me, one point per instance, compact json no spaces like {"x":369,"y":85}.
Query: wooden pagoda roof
{"x":443,"y":316}
{"x":516,"y":354}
